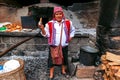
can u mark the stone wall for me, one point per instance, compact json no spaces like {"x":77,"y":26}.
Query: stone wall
{"x":37,"y":44}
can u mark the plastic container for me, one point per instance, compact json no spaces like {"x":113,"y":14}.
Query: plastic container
{"x":3,"y":28}
{"x":1,"y":67}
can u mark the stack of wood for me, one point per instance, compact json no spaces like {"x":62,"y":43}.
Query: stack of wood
{"x":111,"y":66}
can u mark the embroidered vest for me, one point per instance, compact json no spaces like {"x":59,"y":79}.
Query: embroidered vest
{"x":51,"y":39}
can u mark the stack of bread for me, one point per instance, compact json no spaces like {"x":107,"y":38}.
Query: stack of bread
{"x":13,"y":27}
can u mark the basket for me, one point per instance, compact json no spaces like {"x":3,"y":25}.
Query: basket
{"x":17,"y":74}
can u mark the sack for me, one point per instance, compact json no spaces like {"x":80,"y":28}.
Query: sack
{"x":56,"y":54}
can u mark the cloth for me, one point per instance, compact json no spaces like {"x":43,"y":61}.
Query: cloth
{"x":58,"y":27}
{"x":56,"y":53}
{"x":11,"y":65}
{"x":58,"y":9}
{"x":52,"y":38}
{"x":65,"y":57}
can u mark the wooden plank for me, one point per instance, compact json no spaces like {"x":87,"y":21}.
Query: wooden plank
{"x":113,"y":57}
{"x":114,"y":63}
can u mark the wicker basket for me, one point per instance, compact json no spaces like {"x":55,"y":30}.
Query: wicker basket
{"x":17,"y":74}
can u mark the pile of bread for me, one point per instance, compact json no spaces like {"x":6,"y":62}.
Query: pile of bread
{"x":13,"y":27}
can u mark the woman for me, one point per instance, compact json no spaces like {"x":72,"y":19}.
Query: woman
{"x":59,"y":32}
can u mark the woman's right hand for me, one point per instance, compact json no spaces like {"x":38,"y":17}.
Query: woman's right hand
{"x":41,"y":26}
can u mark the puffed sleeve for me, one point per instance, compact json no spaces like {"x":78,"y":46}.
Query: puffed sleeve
{"x":72,"y":30}
{"x":46,"y":30}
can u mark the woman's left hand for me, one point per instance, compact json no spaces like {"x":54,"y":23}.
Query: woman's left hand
{"x":70,"y":39}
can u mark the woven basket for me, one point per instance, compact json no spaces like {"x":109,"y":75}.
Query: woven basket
{"x":17,"y":74}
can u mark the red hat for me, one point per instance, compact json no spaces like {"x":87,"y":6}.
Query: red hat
{"x":58,"y":9}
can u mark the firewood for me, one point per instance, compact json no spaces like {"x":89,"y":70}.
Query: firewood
{"x":111,"y":66}
{"x":105,"y":77}
{"x":118,"y":73}
{"x":113,"y":57}
{"x":115,"y":68}
{"x":111,"y":74}
{"x":103,"y":57}
{"x":117,"y":38}
{"x":113,"y":63}
{"x":103,"y":67}
{"x":117,"y":78}
{"x":105,"y":62}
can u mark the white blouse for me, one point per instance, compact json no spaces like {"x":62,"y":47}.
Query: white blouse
{"x":58,"y":27}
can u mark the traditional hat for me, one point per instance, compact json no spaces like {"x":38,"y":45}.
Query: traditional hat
{"x":56,"y":9}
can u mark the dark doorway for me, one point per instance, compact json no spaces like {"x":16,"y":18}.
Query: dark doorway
{"x":41,"y":12}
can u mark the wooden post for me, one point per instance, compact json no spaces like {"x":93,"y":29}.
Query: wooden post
{"x":106,"y":17}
